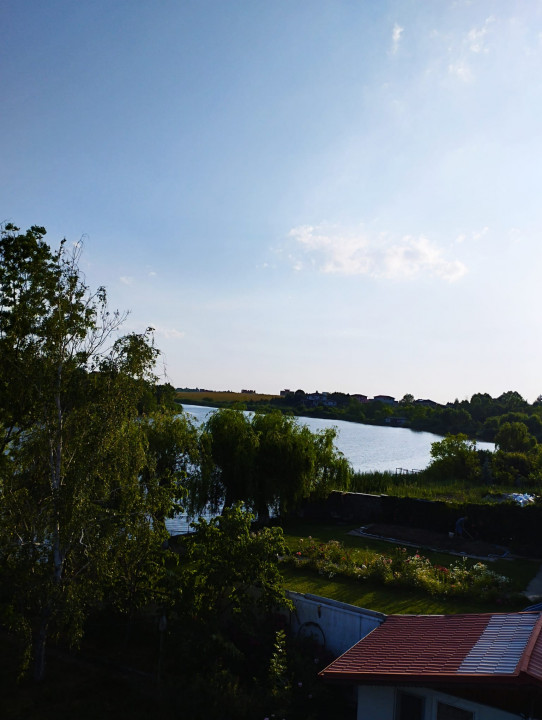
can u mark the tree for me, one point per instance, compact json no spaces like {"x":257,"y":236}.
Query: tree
{"x":229,"y":571}
{"x":512,"y":401}
{"x":268,"y":461}
{"x":291,"y":462}
{"x":76,"y":520}
{"x":454,"y":458}
{"x":514,"y":437}
{"x":230,"y":594}
{"x":228,"y":448}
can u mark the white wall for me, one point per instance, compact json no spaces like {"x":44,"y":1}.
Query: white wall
{"x":378,"y":703}
{"x":336,"y":625}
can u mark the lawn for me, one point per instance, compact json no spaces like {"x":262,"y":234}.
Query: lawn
{"x":387,"y":598}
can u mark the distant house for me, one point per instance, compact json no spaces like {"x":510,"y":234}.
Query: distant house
{"x":426,"y":403}
{"x":360,"y":398}
{"x":318,"y":398}
{"x":447,"y":667}
{"x":283,"y":393}
{"x":249,"y":392}
{"x":388,"y":399}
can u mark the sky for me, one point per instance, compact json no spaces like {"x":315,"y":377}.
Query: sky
{"x":333,"y":195}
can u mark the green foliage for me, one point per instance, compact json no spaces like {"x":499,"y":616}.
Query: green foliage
{"x":77,"y":524}
{"x":229,"y":571}
{"x":268,"y":461}
{"x":514,"y":437}
{"x":454,"y":457}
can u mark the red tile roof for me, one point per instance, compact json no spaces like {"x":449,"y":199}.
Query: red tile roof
{"x":446,"y":648}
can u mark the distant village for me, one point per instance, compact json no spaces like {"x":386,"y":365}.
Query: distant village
{"x":326,"y":399}
{"x":334,"y":399}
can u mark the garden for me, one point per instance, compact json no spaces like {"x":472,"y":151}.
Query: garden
{"x":327,"y":560}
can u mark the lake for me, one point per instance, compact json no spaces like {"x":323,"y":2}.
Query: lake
{"x":366,"y":447}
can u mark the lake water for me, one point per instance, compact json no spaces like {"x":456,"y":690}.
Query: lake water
{"x":366,"y":447}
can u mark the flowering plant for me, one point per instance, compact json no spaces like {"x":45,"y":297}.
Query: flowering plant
{"x":460,"y":579}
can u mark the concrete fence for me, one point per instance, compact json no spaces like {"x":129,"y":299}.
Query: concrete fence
{"x":334,"y":625}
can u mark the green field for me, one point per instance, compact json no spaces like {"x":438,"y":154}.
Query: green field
{"x":208,"y":397}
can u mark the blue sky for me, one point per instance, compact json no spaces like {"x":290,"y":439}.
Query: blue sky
{"x":332,"y":195}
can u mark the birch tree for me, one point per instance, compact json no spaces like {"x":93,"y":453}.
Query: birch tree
{"x":76,"y":519}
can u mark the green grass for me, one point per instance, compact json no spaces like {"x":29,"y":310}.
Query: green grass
{"x":423,"y":487}
{"x":382,"y":599}
{"x":389,"y":599}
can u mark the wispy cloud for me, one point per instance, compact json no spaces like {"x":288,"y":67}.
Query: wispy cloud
{"x":396,"y":38}
{"x":474,"y":42}
{"x":476,"y":37}
{"x":168,"y":333}
{"x":461,"y":70}
{"x":474,"y":235}
{"x":126,"y":280}
{"x":345,"y":253}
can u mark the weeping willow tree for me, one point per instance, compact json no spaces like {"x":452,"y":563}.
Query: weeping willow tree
{"x":268,"y":461}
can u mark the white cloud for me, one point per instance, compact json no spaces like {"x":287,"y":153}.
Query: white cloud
{"x":474,"y":235}
{"x":480,"y":233}
{"x":476,"y":37}
{"x":126,"y":280}
{"x":346,"y":253}
{"x":396,"y":37}
{"x":474,"y":43}
{"x":461,"y":70}
{"x":169,"y":333}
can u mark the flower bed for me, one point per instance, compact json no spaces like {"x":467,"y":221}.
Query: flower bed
{"x":459,"y":579}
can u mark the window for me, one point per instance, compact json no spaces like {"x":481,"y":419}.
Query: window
{"x":410,"y":707}
{"x":450,"y":712}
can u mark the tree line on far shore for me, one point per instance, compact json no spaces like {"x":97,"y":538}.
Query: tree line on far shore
{"x":478,"y":418}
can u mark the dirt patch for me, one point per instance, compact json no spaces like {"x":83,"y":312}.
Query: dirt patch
{"x":434,"y":541}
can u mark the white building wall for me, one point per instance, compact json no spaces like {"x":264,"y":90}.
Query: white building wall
{"x":378,"y":703}
{"x":336,"y":625}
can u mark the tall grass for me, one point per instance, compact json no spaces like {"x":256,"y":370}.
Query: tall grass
{"x":418,"y":485}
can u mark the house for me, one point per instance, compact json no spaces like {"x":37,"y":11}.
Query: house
{"x":387,"y":399}
{"x":360,"y":398}
{"x":319,"y":398}
{"x":447,"y":667}
{"x":426,"y":403}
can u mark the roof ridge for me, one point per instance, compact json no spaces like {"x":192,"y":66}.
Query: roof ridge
{"x":525,"y":658}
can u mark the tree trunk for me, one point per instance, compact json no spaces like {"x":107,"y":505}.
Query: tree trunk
{"x":39,"y":646}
